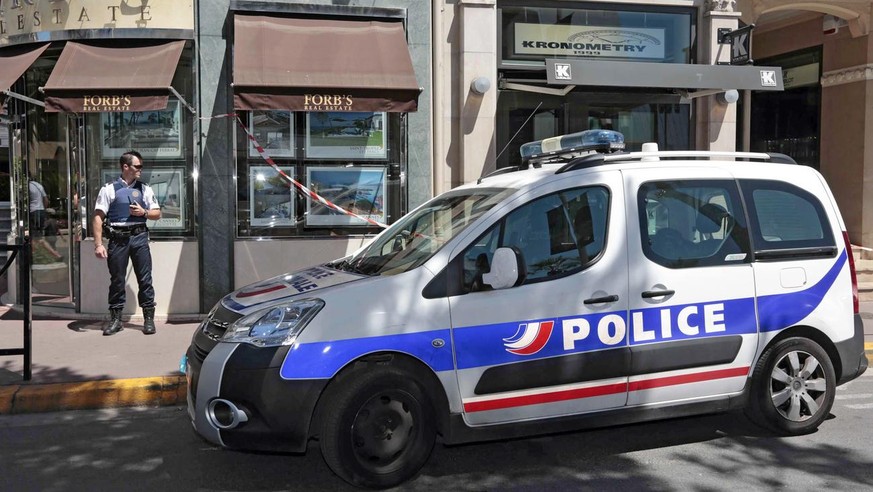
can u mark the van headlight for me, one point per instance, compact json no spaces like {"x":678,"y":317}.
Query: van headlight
{"x":277,"y":325}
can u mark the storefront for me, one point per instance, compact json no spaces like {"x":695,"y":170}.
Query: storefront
{"x":347,"y":125}
{"x":330,"y":94}
{"x":530,"y":34}
{"x":656,"y":71}
{"x":822,"y":118}
{"x":91,"y":81}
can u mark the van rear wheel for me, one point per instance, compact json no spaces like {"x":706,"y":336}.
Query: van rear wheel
{"x":793,"y":387}
{"x":377,"y":428}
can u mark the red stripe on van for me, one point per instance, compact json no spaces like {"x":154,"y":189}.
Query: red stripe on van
{"x":520,"y":401}
{"x":610,"y":389}
{"x":688,"y":378}
{"x":261,"y":291}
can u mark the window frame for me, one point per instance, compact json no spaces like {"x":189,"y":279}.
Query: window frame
{"x":739,"y":232}
{"x":456,"y":266}
{"x":825,"y":247}
{"x":394,"y":196}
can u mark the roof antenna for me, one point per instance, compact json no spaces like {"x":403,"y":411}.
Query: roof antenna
{"x":517,"y":132}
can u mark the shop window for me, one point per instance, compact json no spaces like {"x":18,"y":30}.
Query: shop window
{"x":353,"y":160}
{"x":789,"y":121}
{"x":525,"y":117}
{"x":164,"y":138}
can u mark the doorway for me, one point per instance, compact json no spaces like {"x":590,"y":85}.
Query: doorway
{"x":641,"y":117}
{"x":52,"y":152}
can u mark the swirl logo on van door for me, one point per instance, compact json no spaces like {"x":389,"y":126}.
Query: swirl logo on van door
{"x":530,"y":338}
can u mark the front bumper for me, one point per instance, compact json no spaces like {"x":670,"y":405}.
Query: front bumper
{"x":279,"y":411}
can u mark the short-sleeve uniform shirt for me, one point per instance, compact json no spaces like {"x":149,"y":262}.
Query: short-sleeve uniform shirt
{"x":107,"y":196}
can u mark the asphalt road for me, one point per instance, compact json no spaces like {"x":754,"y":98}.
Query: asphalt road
{"x":155,"y":449}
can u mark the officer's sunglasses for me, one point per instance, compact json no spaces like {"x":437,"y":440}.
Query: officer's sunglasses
{"x":136,"y":166}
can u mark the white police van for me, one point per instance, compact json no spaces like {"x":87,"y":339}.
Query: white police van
{"x":590,"y":288}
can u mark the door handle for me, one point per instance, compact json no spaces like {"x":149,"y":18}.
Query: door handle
{"x":601,"y":300}
{"x":648,"y":294}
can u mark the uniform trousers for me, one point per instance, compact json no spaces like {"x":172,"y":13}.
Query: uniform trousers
{"x":123,"y":249}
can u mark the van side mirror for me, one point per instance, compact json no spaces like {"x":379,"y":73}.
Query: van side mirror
{"x":507,"y":269}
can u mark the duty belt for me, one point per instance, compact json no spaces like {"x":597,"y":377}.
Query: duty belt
{"x":121,"y":232}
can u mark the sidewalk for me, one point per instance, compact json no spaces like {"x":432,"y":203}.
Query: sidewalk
{"x":75,"y":367}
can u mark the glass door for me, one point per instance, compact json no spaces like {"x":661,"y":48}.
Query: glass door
{"x":641,"y":117}
{"x":48,"y":188}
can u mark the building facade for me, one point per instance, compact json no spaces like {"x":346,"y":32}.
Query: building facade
{"x":378,"y":107}
{"x":192,"y":86}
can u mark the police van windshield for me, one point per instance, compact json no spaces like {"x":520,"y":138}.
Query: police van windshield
{"x":418,"y":236}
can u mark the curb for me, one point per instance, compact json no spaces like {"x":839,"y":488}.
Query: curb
{"x":868,"y":349}
{"x":87,"y":395}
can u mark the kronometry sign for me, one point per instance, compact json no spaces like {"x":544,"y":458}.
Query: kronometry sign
{"x":594,"y":41}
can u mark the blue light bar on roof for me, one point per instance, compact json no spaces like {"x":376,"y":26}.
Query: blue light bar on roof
{"x":589,"y":140}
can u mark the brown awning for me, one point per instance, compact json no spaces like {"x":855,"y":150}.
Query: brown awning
{"x":322,"y":65}
{"x":15,"y":60}
{"x":94,"y":79}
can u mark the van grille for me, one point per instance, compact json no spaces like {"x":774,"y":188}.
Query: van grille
{"x":211,"y":331}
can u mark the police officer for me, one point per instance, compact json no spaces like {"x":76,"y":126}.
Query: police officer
{"x":123,"y":206}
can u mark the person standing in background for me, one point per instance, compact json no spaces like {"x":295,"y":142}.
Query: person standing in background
{"x":39,"y":201}
{"x":122,"y":209}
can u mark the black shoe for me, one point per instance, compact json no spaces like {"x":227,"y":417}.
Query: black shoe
{"x":148,"y":328}
{"x":148,"y":325}
{"x":115,"y":324}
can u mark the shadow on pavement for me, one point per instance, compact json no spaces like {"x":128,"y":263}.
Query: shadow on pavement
{"x":162,"y":452}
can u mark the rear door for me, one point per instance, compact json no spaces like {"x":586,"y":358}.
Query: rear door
{"x":801,"y":266}
{"x":557,"y":343}
{"x":693,"y":329}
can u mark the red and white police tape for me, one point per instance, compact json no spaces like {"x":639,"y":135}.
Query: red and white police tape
{"x":306,"y":191}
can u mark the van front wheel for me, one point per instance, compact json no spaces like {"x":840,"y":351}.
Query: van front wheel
{"x":793,"y":387}
{"x":378,"y":428}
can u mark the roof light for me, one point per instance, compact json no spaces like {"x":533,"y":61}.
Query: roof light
{"x":572,"y":145}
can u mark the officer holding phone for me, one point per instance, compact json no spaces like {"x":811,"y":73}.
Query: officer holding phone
{"x":122,"y":208}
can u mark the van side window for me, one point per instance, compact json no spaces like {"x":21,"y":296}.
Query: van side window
{"x":785,"y":217}
{"x":557,"y":235}
{"x":692,"y":223}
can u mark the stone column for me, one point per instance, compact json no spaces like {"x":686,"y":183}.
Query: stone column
{"x":846,"y":144}
{"x":716,"y":122}
{"x":477,"y":60}
{"x":216,"y":205}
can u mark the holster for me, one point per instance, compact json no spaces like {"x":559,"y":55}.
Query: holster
{"x":124,"y":232}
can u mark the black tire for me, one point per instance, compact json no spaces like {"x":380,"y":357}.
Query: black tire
{"x":377,"y":427}
{"x":793,"y":387}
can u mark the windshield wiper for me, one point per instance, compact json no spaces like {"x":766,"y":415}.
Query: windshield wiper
{"x":348,"y":266}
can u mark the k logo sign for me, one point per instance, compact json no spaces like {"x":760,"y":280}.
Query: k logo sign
{"x":768,"y":78}
{"x":562,"y":71}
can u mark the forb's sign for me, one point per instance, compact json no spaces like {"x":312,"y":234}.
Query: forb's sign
{"x":99,"y":104}
{"x":589,"y":41}
{"x":26,"y":17}
{"x":328,"y":102}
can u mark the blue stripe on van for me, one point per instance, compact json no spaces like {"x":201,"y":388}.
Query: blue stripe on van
{"x":486,"y":345}
{"x":779,"y":311}
{"x":324,"y":359}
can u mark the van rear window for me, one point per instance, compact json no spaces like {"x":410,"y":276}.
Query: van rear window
{"x":785,"y":217}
